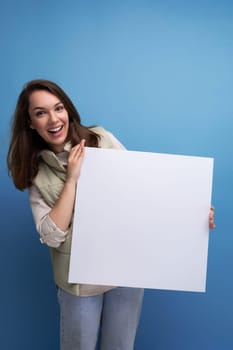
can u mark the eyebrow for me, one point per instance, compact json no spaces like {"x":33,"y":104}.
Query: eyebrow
{"x":56,"y":104}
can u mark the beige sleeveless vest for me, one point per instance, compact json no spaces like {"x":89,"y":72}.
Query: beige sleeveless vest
{"x":50,"y":181}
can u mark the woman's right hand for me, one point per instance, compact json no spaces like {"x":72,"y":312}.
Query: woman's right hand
{"x":74,"y":161}
{"x":61,"y":213}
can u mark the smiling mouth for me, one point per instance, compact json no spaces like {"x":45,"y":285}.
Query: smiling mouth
{"x":55,"y":130}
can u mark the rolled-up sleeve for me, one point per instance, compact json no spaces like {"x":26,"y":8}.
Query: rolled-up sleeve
{"x":48,"y":231}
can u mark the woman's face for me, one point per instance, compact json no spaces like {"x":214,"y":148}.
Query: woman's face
{"x":49,"y":118}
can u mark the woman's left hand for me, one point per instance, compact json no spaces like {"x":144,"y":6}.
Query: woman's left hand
{"x":211,"y":218}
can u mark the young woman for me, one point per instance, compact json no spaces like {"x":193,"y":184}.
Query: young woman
{"x":45,"y":155}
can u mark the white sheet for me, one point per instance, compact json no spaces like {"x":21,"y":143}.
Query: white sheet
{"x":141,"y":220}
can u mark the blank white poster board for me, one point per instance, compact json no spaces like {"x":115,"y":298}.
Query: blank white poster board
{"x":141,"y":220}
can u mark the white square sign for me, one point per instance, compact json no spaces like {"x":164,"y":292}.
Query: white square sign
{"x":141,"y":220}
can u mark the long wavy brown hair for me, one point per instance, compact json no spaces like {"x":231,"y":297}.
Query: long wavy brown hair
{"x":26,"y":143}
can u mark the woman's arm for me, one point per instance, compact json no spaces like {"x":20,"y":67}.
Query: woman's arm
{"x":53,"y":223}
{"x":62,"y":212}
{"x":49,"y":233}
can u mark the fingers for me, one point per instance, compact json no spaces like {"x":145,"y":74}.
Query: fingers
{"x":78,"y":150}
{"x":74,"y":162}
{"x":82,"y":143}
{"x":211,"y":218}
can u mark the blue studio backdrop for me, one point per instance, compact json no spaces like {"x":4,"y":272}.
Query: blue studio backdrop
{"x":159,"y":75}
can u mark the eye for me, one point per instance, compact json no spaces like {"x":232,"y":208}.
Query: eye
{"x":40,"y":113}
{"x":59,"y":108}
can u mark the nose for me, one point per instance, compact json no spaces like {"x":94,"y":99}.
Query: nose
{"x":52,"y":117}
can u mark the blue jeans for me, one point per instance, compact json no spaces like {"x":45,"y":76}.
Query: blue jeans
{"x":113,"y":316}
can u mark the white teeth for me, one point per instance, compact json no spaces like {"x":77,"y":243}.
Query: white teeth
{"x":56,"y":129}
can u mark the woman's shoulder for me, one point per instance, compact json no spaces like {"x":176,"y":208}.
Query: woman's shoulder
{"x":100,"y":130}
{"x":107,"y":139}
